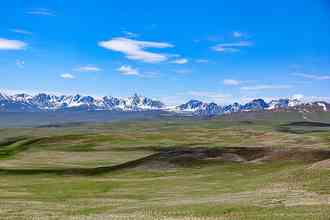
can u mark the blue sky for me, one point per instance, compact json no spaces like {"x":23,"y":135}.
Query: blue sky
{"x":222,"y":51}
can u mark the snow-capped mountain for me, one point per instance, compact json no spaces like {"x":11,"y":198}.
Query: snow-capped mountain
{"x":210,"y":109}
{"x":191,"y":106}
{"x":255,"y":105}
{"x":325,"y":106}
{"x":283,"y":103}
{"x":47,"y":102}
{"x":141,"y":103}
{"x":236,"y":107}
{"x":319,"y":106}
{"x":200,"y":108}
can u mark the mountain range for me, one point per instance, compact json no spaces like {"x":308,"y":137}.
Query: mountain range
{"x":46,"y":102}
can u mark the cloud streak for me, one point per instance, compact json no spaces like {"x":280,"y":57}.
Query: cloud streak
{"x":180,"y":61}
{"x":211,"y":95}
{"x":232,"y":47}
{"x":127,"y":70}
{"x":21,"y":31}
{"x":231,"y":82}
{"x":265,"y":87}
{"x":67,"y":76}
{"x":311,"y":76}
{"x":202,"y":61}
{"x":41,"y":12}
{"x":88,"y":68}
{"x":136,"y":50}
{"x":238,"y":34}
{"x":20,"y":63}
{"x":130,"y":34}
{"x":6,"y":44}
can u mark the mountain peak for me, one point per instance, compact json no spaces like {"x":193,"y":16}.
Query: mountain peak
{"x":49,"y":102}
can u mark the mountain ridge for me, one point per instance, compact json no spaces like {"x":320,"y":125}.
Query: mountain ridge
{"x":49,"y":102}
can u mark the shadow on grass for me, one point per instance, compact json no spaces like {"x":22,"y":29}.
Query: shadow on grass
{"x":304,"y":127}
{"x":189,"y":157}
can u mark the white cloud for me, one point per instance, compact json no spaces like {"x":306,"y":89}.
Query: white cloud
{"x":265,"y":87}
{"x":21,"y":31}
{"x":130,"y":34}
{"x":6,"y":44}
{"x":41,"y":12}
{"x":315,"y":98}
{"x":231,"y":82}
{"x":210,"y":96}
{"x":202,"y":61}
{"x":88,"y":68}
{"x":314,"y":77}
{"x":20,"y":63}
{"x":128,"y":70}
{"x":67,"y":76}
{"x":135,"y":50}
{"x":238,"y":34}
{"x":205,"y":96}
{"x":150,"y":74}
{"x":310,"y":98}
{"x":180,"y":61}
{"x":183,"y":71}
{"x":298,"y":96}
{"x":232,"y":47}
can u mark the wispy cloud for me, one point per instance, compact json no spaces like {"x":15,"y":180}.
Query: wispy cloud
{"x":21,"y":31}
{"x":180,"y":61}
{"x":127,"y":70}
{"x":231,"y":82}
{"x":311,"y":76}
{"x":67,"y":76}
{"x":297,"y":96}
{"x":265,"y":87}
{"x":130,"y":34}
{"x":206,"y":96}
{"x":135,"y":50}
{"x":41,"y":12}
{"x":232,"y":47}
{"x":202,"y":61}
{"x":20,"y":63}
{"x":210,"y":96}
{"x":88,"y":68}
{"x":6,"y":44}
{"x":238,"y":34}
{"x":149,"y":74}
{"x":311,"y":98}
{"x":183,"y":71}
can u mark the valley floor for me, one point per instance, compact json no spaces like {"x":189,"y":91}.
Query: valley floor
{"x":167,"y":169}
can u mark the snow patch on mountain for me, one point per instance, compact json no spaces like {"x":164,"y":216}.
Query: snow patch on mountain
{"x":323,"y":105}
{"x":49,"y":102}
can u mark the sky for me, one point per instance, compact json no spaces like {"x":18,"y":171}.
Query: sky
{"x":214,"y":50}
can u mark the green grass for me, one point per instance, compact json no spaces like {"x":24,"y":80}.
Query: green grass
{"x":210,"y":189}
{"x":13,"y":148}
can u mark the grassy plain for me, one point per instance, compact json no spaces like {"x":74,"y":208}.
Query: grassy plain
{"x":47,"y":172}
